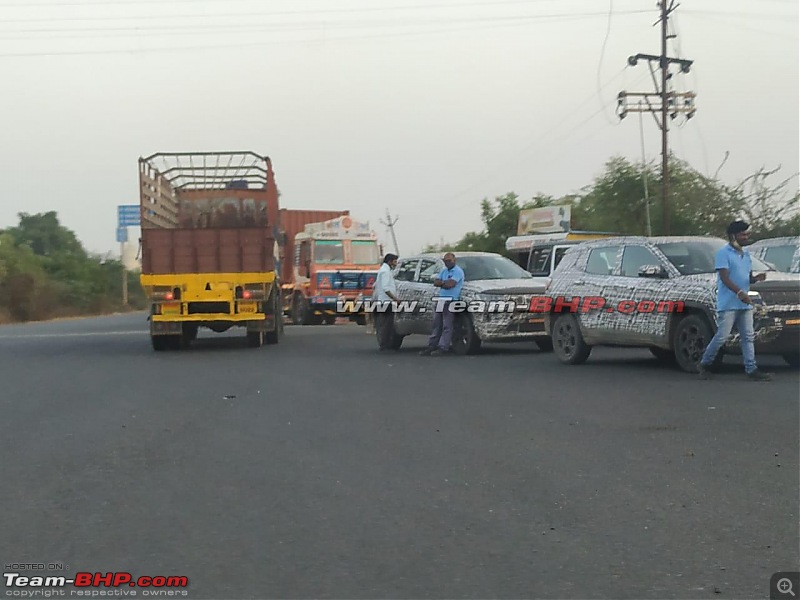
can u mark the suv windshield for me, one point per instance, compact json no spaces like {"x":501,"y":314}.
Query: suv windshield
{"x":490,"y":267}
{"x":697,"y":256}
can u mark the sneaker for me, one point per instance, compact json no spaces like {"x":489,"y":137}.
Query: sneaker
{"x":703,"y":372}
{"x":426,"y":352}
{"x":440,"y":352}
{"x":759,"y":376}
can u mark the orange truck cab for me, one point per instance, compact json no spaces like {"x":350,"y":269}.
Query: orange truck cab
{"x":335,"y":263}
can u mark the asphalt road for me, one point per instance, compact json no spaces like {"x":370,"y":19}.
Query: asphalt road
{"x":322,"y":468}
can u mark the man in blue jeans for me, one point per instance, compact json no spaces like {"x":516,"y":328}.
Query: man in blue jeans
{"x":734,"y":307}
{"x":450,"y":281}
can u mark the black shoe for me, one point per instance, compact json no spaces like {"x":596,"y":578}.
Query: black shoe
{"x":440,"y":352}
{"x":759,"y":376}
{"x":703,"y":372}
{"x":426,"y":352}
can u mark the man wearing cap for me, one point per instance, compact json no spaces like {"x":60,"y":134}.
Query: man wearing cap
{"x":385,"y":292}
{"x":734,"y":307}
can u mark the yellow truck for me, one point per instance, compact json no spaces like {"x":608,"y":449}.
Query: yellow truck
{"x":210,"y":222}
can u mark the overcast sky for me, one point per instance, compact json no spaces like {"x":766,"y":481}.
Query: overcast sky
{"x":422,"y":107}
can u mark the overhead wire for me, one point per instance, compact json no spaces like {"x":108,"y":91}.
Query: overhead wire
{"x":542,"y":139}
{"x":251,"y":14}
{"x":603,"y":52}
{"x":292,"y":26}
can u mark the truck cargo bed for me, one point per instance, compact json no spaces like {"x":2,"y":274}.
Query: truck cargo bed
{"x":235,"y":250}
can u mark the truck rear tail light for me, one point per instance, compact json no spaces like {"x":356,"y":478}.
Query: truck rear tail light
{"x":161,"y":294}
{"x":254,"y":291}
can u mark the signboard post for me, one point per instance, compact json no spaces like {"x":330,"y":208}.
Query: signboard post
{"x":128,"y":215}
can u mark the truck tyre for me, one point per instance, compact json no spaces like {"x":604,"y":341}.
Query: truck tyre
{"x":299,"y":310}
{"x":330,"y":320}
{"x":691,"y":338}
{"x":465,"y":339}
{"x":568,"y":343}
{"x":274,"y":336}
{"x":190,"y":331}
{"x":255,"y":339}
{"x":159,"y":342}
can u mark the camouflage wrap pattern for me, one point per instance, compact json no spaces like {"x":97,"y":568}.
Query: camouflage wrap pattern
{"x":697,"y":292}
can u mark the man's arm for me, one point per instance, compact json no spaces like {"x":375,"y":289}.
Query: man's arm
{"x":451,"y":283}
{"x":741,"y":294}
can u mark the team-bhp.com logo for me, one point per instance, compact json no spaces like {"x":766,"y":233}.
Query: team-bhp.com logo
{"x":90,"y":584}
{"x":536,"y":304}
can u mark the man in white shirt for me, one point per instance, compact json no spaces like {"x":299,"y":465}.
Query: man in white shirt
{"x":385,"y":291}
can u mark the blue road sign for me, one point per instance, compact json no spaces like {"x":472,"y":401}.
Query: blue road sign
{"x":128,"y":215}
{"x":122,"y":234}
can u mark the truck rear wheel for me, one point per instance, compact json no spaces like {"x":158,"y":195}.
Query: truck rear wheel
{"x":274,"y":336}
{"x":300,"y":312}
{"x":159,"y":342}
{"x":255,"y":339}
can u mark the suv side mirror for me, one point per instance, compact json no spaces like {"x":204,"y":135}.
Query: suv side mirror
{"x":653,"y":272}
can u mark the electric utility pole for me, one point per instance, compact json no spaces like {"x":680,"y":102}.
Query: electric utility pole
{"x":661,"y":101}
{"x":389,"y":222}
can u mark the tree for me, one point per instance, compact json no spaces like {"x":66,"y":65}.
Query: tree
{"x":771,"y":209}
{"x":46,"y":236}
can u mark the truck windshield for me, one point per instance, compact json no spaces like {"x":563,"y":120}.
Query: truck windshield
{"x":365,"y":253}
{"x":329,"y":252}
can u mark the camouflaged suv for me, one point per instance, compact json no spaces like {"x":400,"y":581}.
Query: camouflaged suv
{"x":782,"y":253}
{"x":488,"y":278}
{"x":667,"y":286}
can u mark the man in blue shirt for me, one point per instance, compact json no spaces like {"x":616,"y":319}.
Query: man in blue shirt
{"x":450,"y":281}
{"x":734,"y":307}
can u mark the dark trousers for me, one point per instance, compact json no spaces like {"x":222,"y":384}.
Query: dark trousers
{"x":384,"y":328}
{"x":442,"y":334}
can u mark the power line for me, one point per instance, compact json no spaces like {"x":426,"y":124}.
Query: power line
{"x":249,"y":15}
{"x":291,"y":26}
{"x":327,"y":40}
{"x":602,"y":55}
{"x":540,"y":138}
{"x":107,"y":4}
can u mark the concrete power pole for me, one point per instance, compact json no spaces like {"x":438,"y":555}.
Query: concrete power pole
{"x":389,"y":222}
{"x":662,"y":101}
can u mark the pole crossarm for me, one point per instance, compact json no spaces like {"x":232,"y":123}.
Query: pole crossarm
{"x":684,"y":63}
{"x":677,"y":103}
